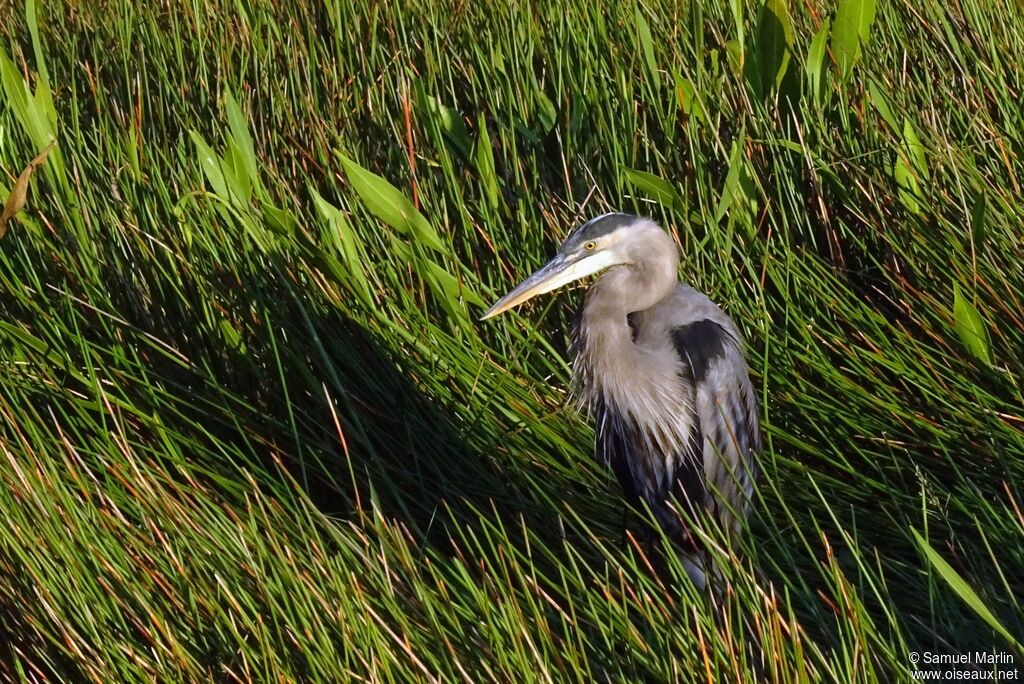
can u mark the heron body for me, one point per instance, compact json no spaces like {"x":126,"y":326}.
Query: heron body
{"x":661,"y":369}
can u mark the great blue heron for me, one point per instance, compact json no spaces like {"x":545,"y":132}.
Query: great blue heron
{"x":661,"y":369}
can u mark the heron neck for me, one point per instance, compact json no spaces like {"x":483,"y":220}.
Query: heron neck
{"x":604,"y":339}
{"x":638,"y":286}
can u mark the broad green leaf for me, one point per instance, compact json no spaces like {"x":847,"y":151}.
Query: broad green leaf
{"x":485,"y":163}
{"x":213,"y":167}
{"x":497,"y":58}
{"x":388,"y":204}
{"x":732,"y":190}
{"x":134,"y":156}
{"x":232,"y":336}
{"x":881,"y":104}
{"x":686,"y":96}
{"x":546,"y":113}
{"x":32,"y":20}
{"x":789,"y":145}
{"x":643,"y":31}
{"x":236,"y":175}
{"x":278,"y":220}
{"x":15,"y":89}
{"x":340,"y":234}
{"x":653,"y":187}
{"x":445,"y":287}
{"x":29,"y":111}
{"x":906,"y":179}
{"x":815,"y":67}
{"x":970,"y":327}
{"x":772,"y":42}
{"x":43,"y":100}
{"x":850,"y":32}
{"x":738,"y":12}
{"x":450,"y":285}
{"x":734,"y":50}
{"x":959,"y":585}
{"x":43,"y":96}
{"x":246,"y":167}
{"x":915,"y":149}
{"x":450,"y":122}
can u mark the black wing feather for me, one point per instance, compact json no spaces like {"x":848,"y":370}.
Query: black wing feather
{"x":701,"y":344}
{"x":728,"y":402}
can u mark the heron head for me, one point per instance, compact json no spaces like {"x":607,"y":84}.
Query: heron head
{"x":598,"y":244}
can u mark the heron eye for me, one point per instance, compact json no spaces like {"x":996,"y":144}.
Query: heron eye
{"x":590,"y":246}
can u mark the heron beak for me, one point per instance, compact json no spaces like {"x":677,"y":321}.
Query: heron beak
{"x":562,"y":270}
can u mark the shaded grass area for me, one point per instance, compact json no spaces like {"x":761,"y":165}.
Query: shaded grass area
{"x":250,"y":431}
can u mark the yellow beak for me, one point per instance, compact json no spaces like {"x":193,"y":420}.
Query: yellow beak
{"x":562,"y":270}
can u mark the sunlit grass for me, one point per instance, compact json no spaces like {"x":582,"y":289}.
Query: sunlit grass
{"x":250,"y":426}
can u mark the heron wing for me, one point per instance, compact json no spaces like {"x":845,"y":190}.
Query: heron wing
{"x":726,"y":412}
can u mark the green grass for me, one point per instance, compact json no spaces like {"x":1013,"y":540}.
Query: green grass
{"x":250,"y":428}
